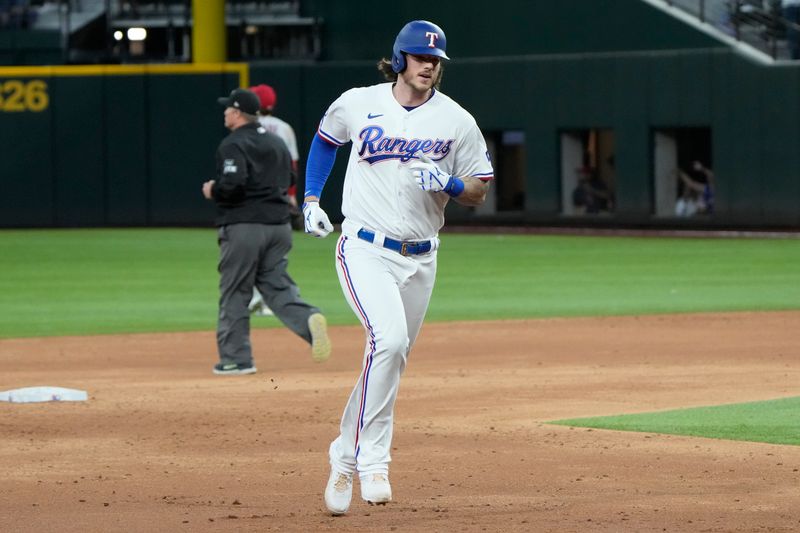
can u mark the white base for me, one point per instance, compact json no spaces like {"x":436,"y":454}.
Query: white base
{"x":43,"y":394}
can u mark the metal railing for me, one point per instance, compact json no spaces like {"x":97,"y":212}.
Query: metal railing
{"x":759,"y":23}
{"x":257,"y":29}
{"x":16,"y":14}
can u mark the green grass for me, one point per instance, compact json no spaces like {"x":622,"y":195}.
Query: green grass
{"x":63,"y":282}
{"x":774,"y":421}
{"x":543,"y":276}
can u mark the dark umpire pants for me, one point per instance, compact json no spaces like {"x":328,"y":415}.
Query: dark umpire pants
{"x":255,"y":254}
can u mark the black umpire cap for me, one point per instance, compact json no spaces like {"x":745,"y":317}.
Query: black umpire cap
{"x":243,"y":100}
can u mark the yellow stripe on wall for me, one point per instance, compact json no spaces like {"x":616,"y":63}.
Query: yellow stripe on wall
{"x":243,"y":69}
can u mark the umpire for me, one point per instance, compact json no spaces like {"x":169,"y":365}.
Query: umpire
{"x":253,"y":174}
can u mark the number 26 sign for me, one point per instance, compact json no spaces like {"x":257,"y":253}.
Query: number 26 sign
{"x":17,"y":95}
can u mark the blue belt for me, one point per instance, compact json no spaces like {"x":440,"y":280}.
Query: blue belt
{"x":401,"y":247}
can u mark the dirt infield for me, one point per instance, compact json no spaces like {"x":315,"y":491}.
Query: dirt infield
{"x":164,"y":445}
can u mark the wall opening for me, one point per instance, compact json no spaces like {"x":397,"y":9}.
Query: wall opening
{"x":682,"y":172}
{"x":510,"y":165}
{"x":588,"y":173}
{"x":507,"y":193}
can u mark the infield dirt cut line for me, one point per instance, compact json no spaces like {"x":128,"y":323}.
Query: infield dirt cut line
{"x":164,"y":445}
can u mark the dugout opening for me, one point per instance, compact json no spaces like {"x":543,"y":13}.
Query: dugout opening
{"x":507,"y":150}
{"x":507,"y":193}
{"x":683,"y":176}
{"x":588,"y":172}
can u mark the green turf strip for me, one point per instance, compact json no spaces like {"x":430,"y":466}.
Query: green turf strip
{"x":773,"y":421}
{"x":65,"y":282}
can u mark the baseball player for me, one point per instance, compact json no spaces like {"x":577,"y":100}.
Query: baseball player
{"x":413,"y":150}
{"x":253,"y":172}
{"x":267,"y":99}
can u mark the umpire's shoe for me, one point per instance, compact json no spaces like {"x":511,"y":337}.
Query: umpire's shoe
{"x":234,"y":369}
{"x":339,"y":492}
{"x":320,"y":342}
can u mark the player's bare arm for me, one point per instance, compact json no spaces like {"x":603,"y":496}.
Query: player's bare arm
{"x":474,"y":192}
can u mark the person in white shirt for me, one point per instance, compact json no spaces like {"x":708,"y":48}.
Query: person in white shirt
{"x":268,"y":98}
{"x":414,"y":149}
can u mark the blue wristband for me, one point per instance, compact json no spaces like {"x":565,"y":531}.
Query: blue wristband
{"x":454,"y":187}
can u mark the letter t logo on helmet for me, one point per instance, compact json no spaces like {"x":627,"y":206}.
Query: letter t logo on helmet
{"x":418,"y":37}
{"x":433,"y":35}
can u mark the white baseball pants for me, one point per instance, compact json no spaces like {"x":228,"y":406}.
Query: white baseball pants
{"x":389,"y":293}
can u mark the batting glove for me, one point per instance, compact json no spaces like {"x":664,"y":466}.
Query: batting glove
{"x":316,"y":220}
{"x":431,"y":178}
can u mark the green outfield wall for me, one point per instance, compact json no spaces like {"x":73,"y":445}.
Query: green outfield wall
{"x":110,"y":146}
{"x":108,"y":149}
{"x":130,"y":145}
{"x":506,"y":27}
{"x":752,"y":110}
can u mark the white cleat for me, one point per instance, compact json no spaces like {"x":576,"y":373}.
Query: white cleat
{"x":375,"y":488}
{"x":256,"y":302}
{"x":339,"y":492}
{"x":320,"y":341}
{"x":264,"y":311}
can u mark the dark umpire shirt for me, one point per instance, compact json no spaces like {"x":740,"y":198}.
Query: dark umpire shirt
{"x":253,"y":174}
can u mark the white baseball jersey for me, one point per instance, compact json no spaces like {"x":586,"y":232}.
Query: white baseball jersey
{"x":389,"y":292}
{"x":379,"y":190}
{"x":284,"y":131}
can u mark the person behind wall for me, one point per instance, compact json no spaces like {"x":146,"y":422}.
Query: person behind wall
{"x":413,"y":150}
{"x":268,"y":99}
{"x":254,"y":235}
{"x":591,"y":194}
{"x":696,"y":193}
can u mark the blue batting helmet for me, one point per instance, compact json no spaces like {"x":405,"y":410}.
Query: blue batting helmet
{"x":418,"y":37}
